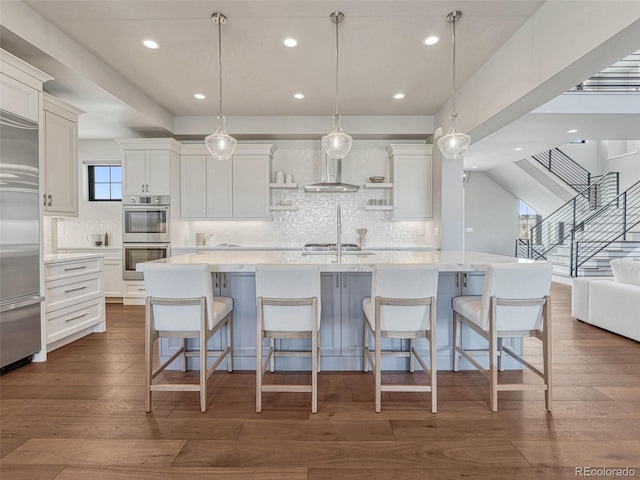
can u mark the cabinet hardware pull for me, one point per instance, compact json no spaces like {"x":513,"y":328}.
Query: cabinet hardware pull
{"x":337,"y":280}
{"x":224,"y":280}
{"x":44,"y":199}
{"x":75,"y":268}
{"x":142,"y":187}
{"x":458,"y":280}
{"x":147,"y":190}
{"x":141,"y":289}
{"x":75,"y":289}
{"x":50,"y":200}
{"x":464,"y":283}
{"x":76,"y":318}
{"x":215,"y":280}
{"x":344,"y":280}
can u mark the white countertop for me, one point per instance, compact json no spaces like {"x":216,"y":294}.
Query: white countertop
{"x":246,"y":261}
{"x":294,"y":248}
{"x":65,"y":257}
{"x":93,"y":247}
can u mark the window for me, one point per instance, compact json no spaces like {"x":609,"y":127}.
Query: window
{"x":527,"y":219}
{"x":105,"y":183}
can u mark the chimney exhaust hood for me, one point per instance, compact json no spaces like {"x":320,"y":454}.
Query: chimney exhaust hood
{"x":331,"y":173}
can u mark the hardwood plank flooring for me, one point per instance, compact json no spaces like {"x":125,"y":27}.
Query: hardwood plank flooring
{"x":81,"y":415}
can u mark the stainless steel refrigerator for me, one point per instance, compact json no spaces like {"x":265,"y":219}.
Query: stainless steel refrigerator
{"x":20,"y":296}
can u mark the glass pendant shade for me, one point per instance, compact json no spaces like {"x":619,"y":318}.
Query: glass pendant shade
{"x":220,"y":143}
{"x":454,"y":144}
{"x":337,"y":144}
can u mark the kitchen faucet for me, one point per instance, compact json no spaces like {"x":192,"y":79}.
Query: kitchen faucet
{"x":339,"y":231}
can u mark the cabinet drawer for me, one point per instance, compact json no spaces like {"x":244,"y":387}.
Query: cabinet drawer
{"x":68,"y":291}
{"x":73,"y":268}
{"x":135,"y":290}
{"x":67,"y":321}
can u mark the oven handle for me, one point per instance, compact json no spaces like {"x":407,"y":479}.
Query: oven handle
{"x":146,"y":245}
{"x":145,"y":207}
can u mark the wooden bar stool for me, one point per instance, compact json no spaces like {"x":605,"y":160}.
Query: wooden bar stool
{"x":515,"y":302}
{"x":288,"y":304}
{"x":180,"y":304}
{"x":402,"y":305}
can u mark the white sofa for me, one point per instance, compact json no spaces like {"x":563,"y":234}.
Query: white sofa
{"x":611,"y":303}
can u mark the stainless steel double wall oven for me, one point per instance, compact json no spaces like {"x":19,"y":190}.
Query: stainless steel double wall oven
{"x":146,"y":232}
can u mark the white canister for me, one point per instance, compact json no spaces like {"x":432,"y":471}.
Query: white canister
{"x":288,"y":178}
{"x":279,"y":177}
{"x":208,"y":241}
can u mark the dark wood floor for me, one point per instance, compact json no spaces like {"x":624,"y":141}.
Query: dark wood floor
{"x":81,"y":415}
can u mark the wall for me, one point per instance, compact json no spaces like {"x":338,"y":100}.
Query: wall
{"x":314,"y":221}
{"x":492,"y":213}
{"x":93,"y":217}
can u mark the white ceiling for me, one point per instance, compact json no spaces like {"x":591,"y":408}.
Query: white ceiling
{"x":381,"y":54}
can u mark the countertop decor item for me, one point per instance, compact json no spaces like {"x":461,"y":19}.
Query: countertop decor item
{"x":337,"y":143}
{"x":454,"y":144}
{"x":220,"y":143}
{"x":376,"y":179}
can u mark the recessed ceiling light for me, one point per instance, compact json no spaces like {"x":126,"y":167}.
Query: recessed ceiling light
{"x":290,"y":42}
{"x":199,"y":96}
{"x":574,"y":130}
{"x":432,"y":40}
{"x":398,"y":96}
{"x":150,"y":44}
{"x":474,"y":166}
{"x":299,"y":96}
{"x":518,"y":149}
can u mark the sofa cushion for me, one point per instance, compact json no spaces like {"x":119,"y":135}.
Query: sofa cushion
{"x":626,"y":271}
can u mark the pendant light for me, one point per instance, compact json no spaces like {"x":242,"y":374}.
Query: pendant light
{"x":454,"y":144}
{"x":220,"y":143}
{"x":337,"y":143}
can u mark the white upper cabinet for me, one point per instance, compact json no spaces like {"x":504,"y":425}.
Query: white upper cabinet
{"x":60,"y":165}
{"x":146,"y":166}
{"x":205,"y":187}
{"x":411,"y":177}
{"x":20,"y":87}
{"x":236,"y":188}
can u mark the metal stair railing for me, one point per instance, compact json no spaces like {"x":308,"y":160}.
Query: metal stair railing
{"x":609,"y":224}
{"x":565,"y":168}
{"x":557,"y":228}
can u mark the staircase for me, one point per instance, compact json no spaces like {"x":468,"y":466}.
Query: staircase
{"x":556,"y":229}
{"x":565,"y":168}
{"x":584,"y":235}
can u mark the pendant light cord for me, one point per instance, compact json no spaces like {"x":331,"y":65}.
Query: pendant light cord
{"x":337,"y":65}
{"x":454,"y":65}
{"x":220,"y":57}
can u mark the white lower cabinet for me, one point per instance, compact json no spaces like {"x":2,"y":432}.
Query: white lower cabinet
{"x":74,"y":299}
{"x":114,"y":286}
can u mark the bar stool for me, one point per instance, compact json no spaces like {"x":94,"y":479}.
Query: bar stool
{"x":402,"y":305}
{"x":515,"y":302}
{"x":288,"y":305}
{"x":180,"y":304}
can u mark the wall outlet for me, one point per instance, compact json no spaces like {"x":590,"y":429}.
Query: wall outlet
{"x":436,"y":231}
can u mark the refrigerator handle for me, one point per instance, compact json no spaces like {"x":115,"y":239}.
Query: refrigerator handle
{"x":21,"y":303}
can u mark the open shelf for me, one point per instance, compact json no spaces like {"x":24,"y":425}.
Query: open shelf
{"x":282,"y":207}
{"x":378,"y":207}
{"x":283,"y":185}
{"x":378,"y":185}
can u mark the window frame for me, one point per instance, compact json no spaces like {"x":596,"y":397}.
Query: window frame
{"x":91,"y":183}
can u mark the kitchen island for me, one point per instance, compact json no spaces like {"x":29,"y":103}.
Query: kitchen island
{"x":344,"y":285}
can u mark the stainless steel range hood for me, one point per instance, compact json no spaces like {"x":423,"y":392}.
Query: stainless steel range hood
{"x":331,"y":173}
